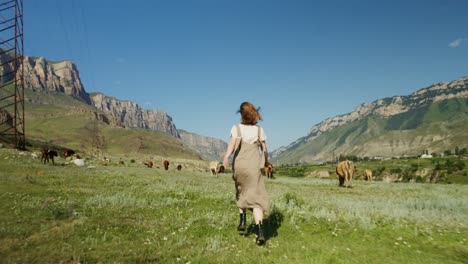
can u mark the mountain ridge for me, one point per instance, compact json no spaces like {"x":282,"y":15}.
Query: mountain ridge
{"x":385,"y":108}
{"x":63,"y":77}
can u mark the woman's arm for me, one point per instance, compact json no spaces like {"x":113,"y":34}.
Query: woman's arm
{"x":265,"y":153}
{"x":229,"y":151}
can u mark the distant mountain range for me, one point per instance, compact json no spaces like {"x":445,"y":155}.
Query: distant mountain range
{"x":44,"y":79}
{"x":433,"y":119}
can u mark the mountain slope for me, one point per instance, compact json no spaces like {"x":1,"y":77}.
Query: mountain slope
{"x":131,"y":114}
{"x":58,"y":109}
{"x":434,"y":118}
{"x":71,"y":123}
{"x":208,"y":148}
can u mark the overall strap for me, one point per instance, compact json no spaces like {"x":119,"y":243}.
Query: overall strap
{"x":258,"y":136}
{"x":238,"y":141}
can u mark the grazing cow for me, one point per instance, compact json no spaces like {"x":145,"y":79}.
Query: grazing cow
{"x":48,"y":154}
{"x":149,"y":164}
{"x":166,"y":164}
{"x":68,"y":153}
{"x":368,"y":175}
{"x":179,"y":167}
{"x":221,"y":169}
{"x":269,"y":171}
{"x":345,"y":172}
{"x":215,"y":167}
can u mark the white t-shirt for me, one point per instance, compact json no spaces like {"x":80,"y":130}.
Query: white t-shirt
{"x":249,"y":133}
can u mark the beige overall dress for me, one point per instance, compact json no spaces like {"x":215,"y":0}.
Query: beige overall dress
{"x":250,"y":188}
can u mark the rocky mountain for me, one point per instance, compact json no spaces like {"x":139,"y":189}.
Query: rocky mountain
{"x":132,"y":115}
{"x":209,"y":148}
{"x":42,"y":75}
{"x":46,"y":78}
{"x":400,"y":125}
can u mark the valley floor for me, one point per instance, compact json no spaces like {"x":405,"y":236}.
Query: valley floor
{"x":65,"y":213}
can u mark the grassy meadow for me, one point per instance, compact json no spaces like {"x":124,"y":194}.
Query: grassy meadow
{"x":134,"y":214}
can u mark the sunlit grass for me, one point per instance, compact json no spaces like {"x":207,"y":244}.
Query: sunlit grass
{"x":64,"y":213}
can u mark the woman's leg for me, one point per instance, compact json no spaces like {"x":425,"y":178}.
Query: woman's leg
{"x":242,"y":220}
{"x":258,"y":215}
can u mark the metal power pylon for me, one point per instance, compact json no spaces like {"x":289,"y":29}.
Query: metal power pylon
{"x":12,"y":123}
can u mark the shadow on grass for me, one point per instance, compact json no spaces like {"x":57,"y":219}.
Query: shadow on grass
{"x":271,"y":224}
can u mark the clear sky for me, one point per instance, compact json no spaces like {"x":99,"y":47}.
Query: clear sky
{"x":300,"y":61}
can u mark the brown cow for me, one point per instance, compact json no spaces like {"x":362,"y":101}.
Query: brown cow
{"x":345,"y":172}
{"x":368,"y":175}
{"x":68,"y":153}
{"x":149,"y":164}
{"x":48,"y":154}
{"x":269,"y":171}
{"x":179,"y":167}
{"x":166,"y":164}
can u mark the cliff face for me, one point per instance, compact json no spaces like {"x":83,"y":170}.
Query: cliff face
{"x":42,"y":75}
{"x":396,"y":105}
{"x":391,"y":108}
{"x":63,"y":77}
{"x":132,"y":115}
{"x":208,"y":148}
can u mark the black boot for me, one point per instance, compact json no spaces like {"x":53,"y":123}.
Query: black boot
{"x":260,"y":237}
{"x":242,"y":222}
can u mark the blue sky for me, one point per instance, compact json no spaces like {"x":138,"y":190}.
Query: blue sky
{"x":300,"y":61}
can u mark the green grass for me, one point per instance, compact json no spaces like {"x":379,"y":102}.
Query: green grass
{"x":112,"y":214}
{"x":65,"y":126}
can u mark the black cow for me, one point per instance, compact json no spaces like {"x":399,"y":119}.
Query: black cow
{"x":48,"y":154}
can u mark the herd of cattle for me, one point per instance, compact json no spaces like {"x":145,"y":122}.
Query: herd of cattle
{"x":165,"y":164}
{"x":345,"y":170}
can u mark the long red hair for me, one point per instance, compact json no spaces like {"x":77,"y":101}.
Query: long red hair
{"x":249,"y":114}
